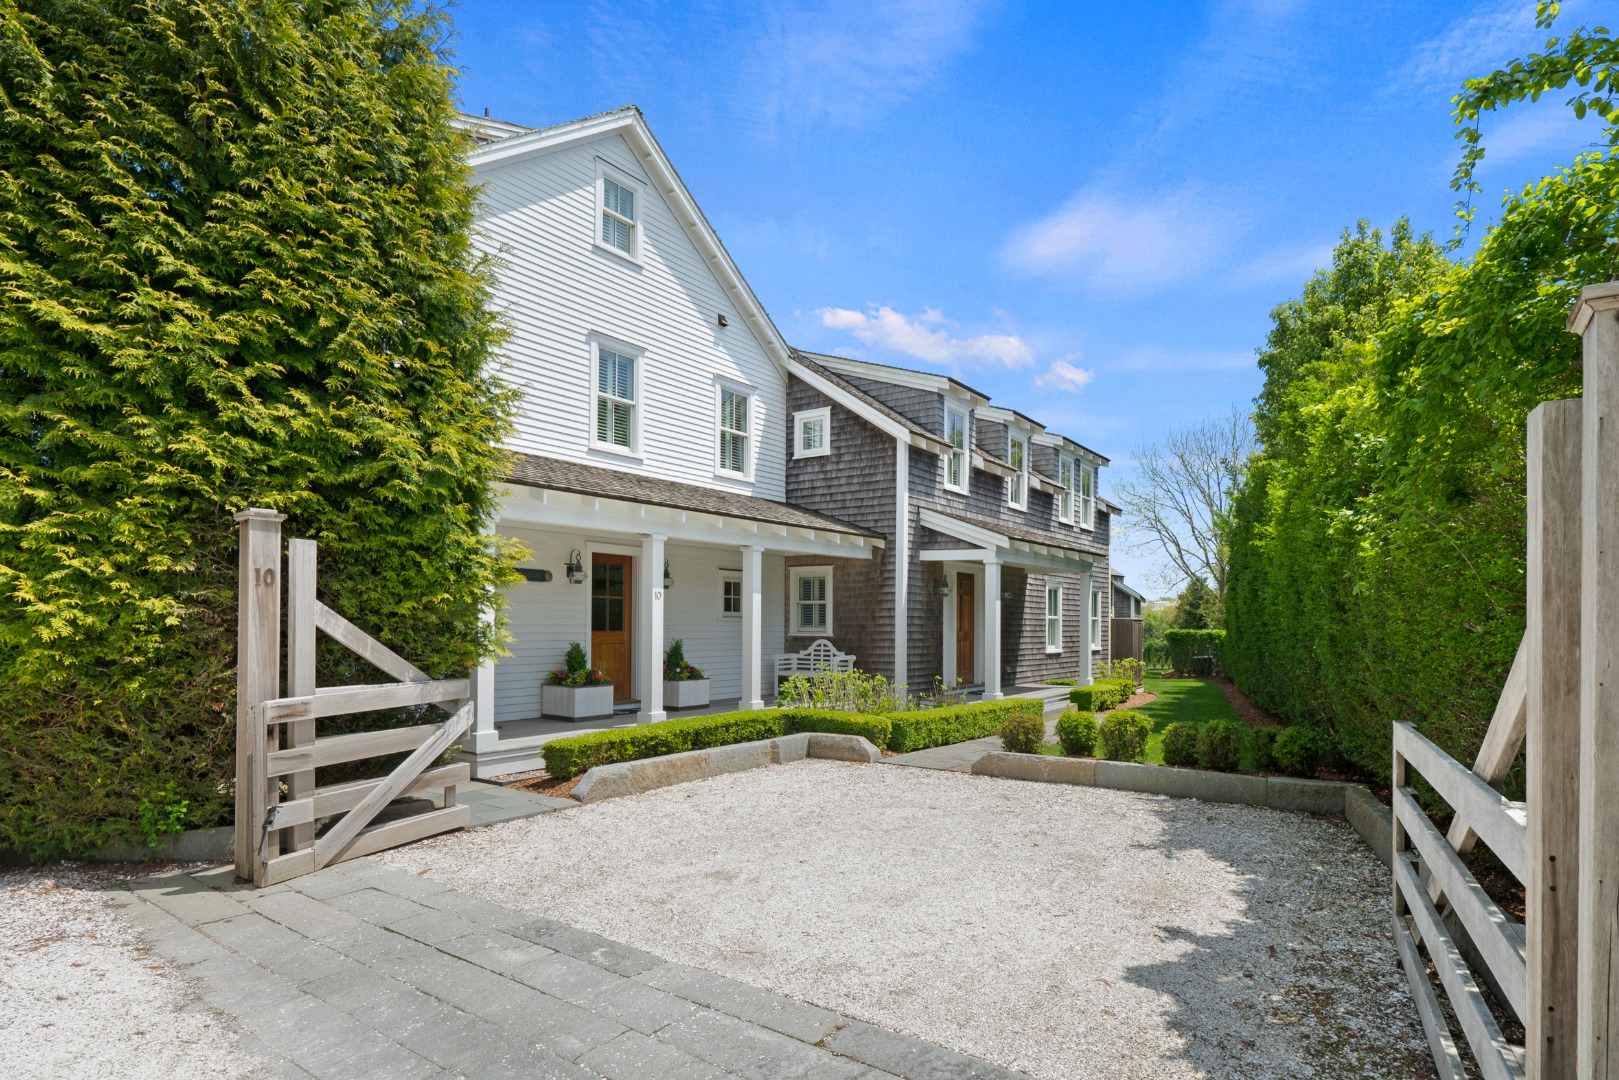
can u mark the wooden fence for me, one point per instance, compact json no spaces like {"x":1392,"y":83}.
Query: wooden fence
{"x":1125,"y":639}
{"x":279,"y":808}
{"x":1555,"y":971}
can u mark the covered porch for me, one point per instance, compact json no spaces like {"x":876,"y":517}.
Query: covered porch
{"x":624,"y":565}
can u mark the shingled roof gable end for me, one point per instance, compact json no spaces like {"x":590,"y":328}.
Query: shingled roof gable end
{"x":630,"y":125}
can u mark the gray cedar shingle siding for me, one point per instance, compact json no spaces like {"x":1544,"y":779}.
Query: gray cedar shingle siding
{"x":924,"y":408}
{"x":857,"y":477}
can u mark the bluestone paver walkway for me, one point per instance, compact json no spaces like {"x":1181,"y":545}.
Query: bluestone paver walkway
{"x":367,"y":970}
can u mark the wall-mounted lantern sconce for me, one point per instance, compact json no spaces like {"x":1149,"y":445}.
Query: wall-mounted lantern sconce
{"x":941,"y":587}
{"x":576,"y":568}
{"x":1008,"y":595}
{"x":668,"y":582}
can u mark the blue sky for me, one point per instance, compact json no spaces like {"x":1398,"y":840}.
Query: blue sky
{"x":1086,"y":211}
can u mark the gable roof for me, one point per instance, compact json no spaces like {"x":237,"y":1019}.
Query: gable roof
{"x":500,"y":145}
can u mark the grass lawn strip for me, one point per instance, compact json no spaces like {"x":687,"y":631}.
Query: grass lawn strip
{"x":1185,"y":701}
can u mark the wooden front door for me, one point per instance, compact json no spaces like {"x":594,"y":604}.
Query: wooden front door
{"x":610,"y":620}
{"x":966,"y":626}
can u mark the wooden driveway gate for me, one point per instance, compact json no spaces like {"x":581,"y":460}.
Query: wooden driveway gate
{"x":1559,"y":969}
{"x":278,"y":806}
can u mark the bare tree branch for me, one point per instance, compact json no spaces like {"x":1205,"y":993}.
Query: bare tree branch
{"x":1180,"y":500}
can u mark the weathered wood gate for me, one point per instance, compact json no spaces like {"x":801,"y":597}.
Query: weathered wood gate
{"x":1557,"y":970}
{"x":278,"y":807}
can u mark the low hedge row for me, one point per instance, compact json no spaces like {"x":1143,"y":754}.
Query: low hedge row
{"x":1183,"y":645}
{"x":571,"y":756}
{"x":906,"y":731}
{"x":1102,"y":695}
{"x":957,"y":723}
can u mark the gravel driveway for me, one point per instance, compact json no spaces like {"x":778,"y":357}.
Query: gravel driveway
{"x":1064,"y":931}
{"x":80,"y":995}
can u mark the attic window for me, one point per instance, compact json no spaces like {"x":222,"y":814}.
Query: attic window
{"x":618,"y":207}
{"x":812,"y":429}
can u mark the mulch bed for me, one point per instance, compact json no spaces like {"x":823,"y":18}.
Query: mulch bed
{"x":1138,"y":699}
{"x":1251,"y":713}
{"x":543,"y":784}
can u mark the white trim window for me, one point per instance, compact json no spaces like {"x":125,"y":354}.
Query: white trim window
{"x":812,"y":600}
{"x":1096,"y":619}
{"x":615,"y":384}
{"x":1053,"y":618}
{"x":618,"y":207}
{"x":735,"y":434}
{"x":1017,"y":487}
{"x":730,"y":595}
{"x":1065,"y":480}
{"x":959,"y":437}
{"x":1087,"y":496}
{"x":812,"y":432}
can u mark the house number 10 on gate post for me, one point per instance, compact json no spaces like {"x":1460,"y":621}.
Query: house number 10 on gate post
{"x":264,"y":575}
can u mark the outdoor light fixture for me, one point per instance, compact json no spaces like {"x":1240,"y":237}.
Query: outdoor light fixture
{"x":941,"y":587}
{"x":576,"y":567}
{"x":668,"y":582}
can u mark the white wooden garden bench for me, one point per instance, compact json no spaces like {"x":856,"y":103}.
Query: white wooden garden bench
{"x":822,"y":655}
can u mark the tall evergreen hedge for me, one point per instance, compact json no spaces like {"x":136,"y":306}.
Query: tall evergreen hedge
{"x":235,"y":270}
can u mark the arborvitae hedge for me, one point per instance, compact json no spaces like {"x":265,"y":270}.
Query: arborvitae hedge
{"x":235,"y":270}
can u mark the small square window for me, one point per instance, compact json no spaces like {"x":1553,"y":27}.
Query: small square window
{"x":731,"y":597}
{"x":812,"y":433}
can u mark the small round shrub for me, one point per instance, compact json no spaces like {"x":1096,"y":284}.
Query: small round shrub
{"x":1180,"y":744}
{"x":1076,"y":730}
{"x":1023,"y":734}
{"x":1219,"y":744}
{"x":1299,"y":751}
{"x":1124,"y":735}
{"x":1264,"y":744}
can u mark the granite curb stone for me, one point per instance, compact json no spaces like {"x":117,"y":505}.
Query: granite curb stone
{"x":648,"y":774}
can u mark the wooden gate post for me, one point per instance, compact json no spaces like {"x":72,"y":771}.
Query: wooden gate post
{"x":258,"y":668}
{"x":1596,"y":319}
{"x":1551,"y":657}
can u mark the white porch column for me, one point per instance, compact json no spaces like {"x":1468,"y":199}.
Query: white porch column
{"x":753,"y":625}
{"x":483,"y":738}
{"x":649,"y":623}
{"x":992,"y":630}
{"x":1084,"y":674}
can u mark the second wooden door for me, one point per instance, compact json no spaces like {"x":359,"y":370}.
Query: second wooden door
{"x":610,"y":620}
{"x":966,"y":626}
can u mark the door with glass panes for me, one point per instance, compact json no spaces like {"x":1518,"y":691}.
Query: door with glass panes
{"x":610,"y":620}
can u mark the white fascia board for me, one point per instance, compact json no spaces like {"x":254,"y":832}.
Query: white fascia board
{"x":631,"y":126}
{"x":959,"y":555}
{"x":994,"y":468}
{"x":881,"y":421}
{"x":1012,"y":419}
{"x":1040,"y":557}
{"x":593,"y":515}
{"x":1063,"y":442}
{"x":961,"y":530}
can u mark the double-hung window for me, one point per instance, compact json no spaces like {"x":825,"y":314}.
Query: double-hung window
{"x":1065,"y":479}
{"x":1096,"y":619}
{"x":618,"y":216}
{"x":1053,"y":618}
{"x":955,"y":460}
{"x":734,"y":431}
{"x":1087,"y":496}
{"x":1017,"y":487}
{"x":812,"y":431}
{"x":615,"y":399}
{"x":812,"y":600}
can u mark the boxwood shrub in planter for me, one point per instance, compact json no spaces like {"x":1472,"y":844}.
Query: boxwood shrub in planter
{"x":1219,"y":744}
{"x":1124,"y":734}
{"x":576,"y":691}
{"x":1076,"y":731}
{"x":684,"y":686}
{"x":1180,"y":744}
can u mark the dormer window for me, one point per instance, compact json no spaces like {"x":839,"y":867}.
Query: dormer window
{"x":1087,"y":496}
{"x":955,"y":459}
{"x":1065,"y":501}
{"x":618,"y":208}
{"x":1017,"y":487}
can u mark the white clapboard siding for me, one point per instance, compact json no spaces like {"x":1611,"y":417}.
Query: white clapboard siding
{"x":545,"y":617}
{"x":555,"y":289}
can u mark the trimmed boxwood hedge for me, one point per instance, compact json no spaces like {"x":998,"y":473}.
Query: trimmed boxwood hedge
{"x":571,"y":756}
{"x":1102,"y":695}
{"x":957,"y":723}
{"x":875,"y":728}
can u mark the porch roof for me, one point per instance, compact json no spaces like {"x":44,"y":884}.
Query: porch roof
{"x":555,"y":474}
{"x":1006,"y":537}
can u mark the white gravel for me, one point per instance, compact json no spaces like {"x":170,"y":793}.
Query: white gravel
{"x":1064,"y":931}
{"x":80,"y":995}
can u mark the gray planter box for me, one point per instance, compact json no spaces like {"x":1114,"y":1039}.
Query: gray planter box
{"x":576,"y":702}
{"x":685,"y":693}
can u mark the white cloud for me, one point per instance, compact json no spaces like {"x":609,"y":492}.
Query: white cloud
{"x":846,"y":62}
{"x":1113,"y":244}
{"x":1062,"y":375}
{"x":1485,"y":40}
{"x":1148,"y":358}
{"x":924,"y":337}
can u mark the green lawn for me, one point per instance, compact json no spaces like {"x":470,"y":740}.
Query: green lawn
{"x":1191,"y":700}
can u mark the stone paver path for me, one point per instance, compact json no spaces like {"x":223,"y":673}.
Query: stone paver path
{"x":368,"y":970}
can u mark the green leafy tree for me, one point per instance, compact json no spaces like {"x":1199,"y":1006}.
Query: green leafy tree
{"x":1197,"y":607}
{"x":1378,"y":541}
{"x":235,"y":270}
